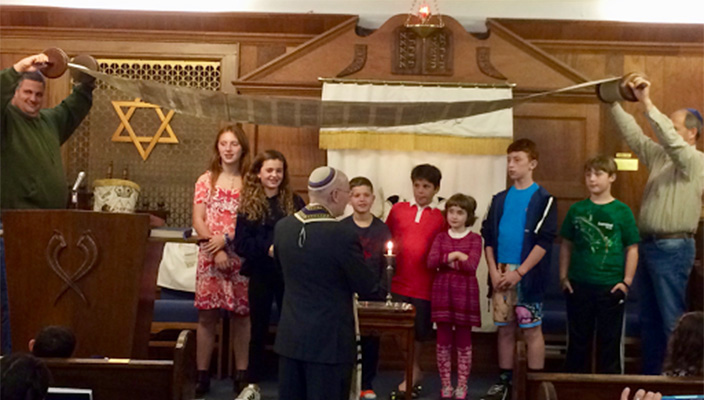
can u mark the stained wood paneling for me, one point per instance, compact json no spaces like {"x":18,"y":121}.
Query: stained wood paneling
{"x":264,"y":23}
{"x":299,"y":145}
{"x":565,"y":135}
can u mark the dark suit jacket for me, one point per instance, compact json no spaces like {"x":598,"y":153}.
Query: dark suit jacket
{"x":320,"y":278}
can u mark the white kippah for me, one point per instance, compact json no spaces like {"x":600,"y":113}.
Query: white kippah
{"x":321,"y":178}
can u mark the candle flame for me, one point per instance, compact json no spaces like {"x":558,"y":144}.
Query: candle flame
{"x":389,"y":248}
{"x":424,"y":12}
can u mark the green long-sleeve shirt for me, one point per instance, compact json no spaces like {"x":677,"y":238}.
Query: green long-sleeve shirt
{"x":672,"y":200}
{"x":31,"y":169}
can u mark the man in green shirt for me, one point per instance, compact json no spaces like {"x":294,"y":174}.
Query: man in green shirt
{"x":598,"y":259}
{"x":31,"y":170}
{"x":30,"y":152}
{"x":672,"y":203}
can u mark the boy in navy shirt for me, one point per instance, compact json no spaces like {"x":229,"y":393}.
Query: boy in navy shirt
{"x":373,"y":234}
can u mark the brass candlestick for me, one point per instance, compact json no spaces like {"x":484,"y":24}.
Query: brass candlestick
{"x":390,"y":264}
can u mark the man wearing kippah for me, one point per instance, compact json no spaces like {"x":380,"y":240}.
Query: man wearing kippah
{"x":671,"y":207}
{"x":323,"y":266}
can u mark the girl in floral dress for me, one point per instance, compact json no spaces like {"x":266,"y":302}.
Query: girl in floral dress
{"x":218,"y":281}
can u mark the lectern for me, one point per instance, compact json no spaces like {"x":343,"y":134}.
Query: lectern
{"x":91,"y":271}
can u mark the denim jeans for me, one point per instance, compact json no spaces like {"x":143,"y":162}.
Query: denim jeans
{"x":661,"y":280}
{"x":4,"y":303}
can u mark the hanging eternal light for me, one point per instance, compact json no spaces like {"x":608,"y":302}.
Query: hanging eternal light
{"x":422,"y":20}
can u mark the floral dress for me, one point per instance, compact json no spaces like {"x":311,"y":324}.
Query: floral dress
{"x":215,"y":287}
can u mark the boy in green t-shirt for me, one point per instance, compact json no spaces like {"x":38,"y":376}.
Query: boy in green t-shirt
{"x":598,"y":259}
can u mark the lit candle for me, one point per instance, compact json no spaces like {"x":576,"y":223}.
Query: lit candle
{"x":389,"y":248}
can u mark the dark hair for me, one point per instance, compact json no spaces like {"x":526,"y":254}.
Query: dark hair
{"x":254,"y":203}
{"x":601,"y":163}
{"x":31,"y":76}
{"x":693,"y":119}
{"x":428,"y":172}
{"x":24,"y":377}
{"x":525,"y":145}
{"x":685,"y":350}
{"x":54,"y":341}
{"x":467,"y":203}
{"x":361,"y":181}
{"x":216,"y":164}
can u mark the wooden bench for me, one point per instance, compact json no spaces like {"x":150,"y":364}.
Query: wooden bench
{"x":119,"y":379}
{"x":545,"y":385}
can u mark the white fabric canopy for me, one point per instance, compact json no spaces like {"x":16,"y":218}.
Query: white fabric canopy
{"x":479,"y":176}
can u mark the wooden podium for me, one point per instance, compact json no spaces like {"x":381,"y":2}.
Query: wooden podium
{"x":93,"y":272}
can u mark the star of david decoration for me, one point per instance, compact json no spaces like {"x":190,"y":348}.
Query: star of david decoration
{"x":132,"y":136}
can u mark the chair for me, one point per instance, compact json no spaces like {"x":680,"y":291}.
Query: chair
{"x":174,"y":312}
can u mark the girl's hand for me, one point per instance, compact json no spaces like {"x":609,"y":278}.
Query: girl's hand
{"x":215,"y":244}
{"x":457,"y":256}
{"x":221,"y":260}
{"x":271,"y":251}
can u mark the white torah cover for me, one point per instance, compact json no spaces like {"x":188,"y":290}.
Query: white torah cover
{"x":470,"y":152}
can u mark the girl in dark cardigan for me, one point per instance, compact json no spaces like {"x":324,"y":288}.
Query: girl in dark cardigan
{"x":266,"y":198}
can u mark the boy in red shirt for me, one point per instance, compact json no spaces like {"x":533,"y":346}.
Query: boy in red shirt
{"x":413,"y":226}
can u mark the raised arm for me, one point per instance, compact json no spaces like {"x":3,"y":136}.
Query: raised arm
{"x":682,"y":153}
{"x":8,"y":81}
{"x":632,"y":133}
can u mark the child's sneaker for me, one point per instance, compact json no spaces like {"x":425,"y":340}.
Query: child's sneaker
{"x":500,"y":391}
{"x":367,"y":395}
{"x":250,"y":392}
{"x":461,"y":393}
{"x":446,"y":392}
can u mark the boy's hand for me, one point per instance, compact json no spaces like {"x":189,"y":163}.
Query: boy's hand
{"x":509,"y":280}
{"x":495,"y":280}
{"x":565,"y":285}
{"x":620,"y":286}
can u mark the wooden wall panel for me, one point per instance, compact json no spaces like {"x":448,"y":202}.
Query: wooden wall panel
{"x":300,"y":25}
{"x":565,"y":137}
{"x":299,"y":145}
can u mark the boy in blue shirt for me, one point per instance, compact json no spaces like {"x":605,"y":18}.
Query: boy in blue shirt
{"x":518,"y":233}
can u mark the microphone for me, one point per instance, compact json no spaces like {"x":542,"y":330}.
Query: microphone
{"x":79,"y":179}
